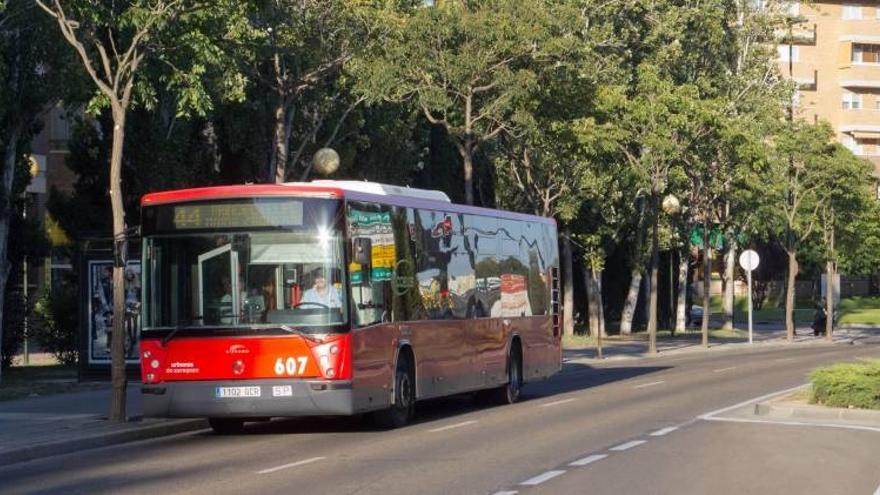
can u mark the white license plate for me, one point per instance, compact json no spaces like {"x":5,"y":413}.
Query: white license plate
{"x":230,"y":392}
{"x":282,"y":391}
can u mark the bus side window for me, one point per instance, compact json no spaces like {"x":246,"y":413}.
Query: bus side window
{"x":371,"y":259}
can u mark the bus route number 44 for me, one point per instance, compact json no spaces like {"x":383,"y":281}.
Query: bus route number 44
{"x":291,"y":366}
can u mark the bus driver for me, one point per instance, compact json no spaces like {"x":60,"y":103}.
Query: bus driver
{"x":322,"y":294}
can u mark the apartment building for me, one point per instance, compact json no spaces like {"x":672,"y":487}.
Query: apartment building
{"x":832,"y":51}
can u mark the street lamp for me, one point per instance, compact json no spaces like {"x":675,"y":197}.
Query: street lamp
{"x":671,"y":206}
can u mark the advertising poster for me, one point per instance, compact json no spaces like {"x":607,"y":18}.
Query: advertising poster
{"x":100,"y":310}
{"x":376,"y":227}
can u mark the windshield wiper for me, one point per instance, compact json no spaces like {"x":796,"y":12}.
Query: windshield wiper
{"x":178,"y":328}
{"x":299,"y":332}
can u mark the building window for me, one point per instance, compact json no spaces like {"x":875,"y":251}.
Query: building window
{"x":851,"y":101}
{"x":783,"y":51}
{"x":871,"y":146}
{"x":852,"y":12}
{"x":865,"y":54}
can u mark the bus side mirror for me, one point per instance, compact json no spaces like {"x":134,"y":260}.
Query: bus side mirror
{"x":363,"y":248}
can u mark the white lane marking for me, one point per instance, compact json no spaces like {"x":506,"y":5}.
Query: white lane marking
{"x":509,"y":492}
{"x":588,"y":460}
{"x":537,"y":480}
{"x":750,"y":401}
{"x":877,"y":491}
{"x":724,"y":369}
{"x":794,"y":423}
{"x":292,"y":464}
{"x":664,"y":431}
{"x":649,"y":384}
{"x":563,"y":401}
{"x":782,"y":360}
{"x":456,"y":425}
{"x":628,"y":445}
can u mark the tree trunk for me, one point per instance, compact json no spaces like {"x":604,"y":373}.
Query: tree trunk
{"x":592,"y":311}
{"x":707,"y":278}
{"x":468,"y":164}
{"x":568,"y":285}
{"x":632,"y":296}
{"x":789,"y":295}
{"x":9,"y":159}
{"x":592,"y":301}
{"x":117,"y":349}
{"x":729,"y":285}
{"x":831,"y":270}
{"x":279,"y":141}
{"x":681,"y":305}
{"x":655,"y":259}
{"x":600,"y":302}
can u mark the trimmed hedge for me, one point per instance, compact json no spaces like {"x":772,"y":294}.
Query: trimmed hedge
{"x":847,"y":385}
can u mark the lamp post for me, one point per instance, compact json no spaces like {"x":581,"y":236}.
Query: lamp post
{"x":671,"y":206}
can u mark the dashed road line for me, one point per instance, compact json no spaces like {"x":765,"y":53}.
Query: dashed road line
{"x":645,"y":385}
{"x":588,"y":460}
{"x":563,"y":401}
{"x":508,"y":492}
{"x":664,"y":431}
{"x":537,"y":480}
{"x":292,"y":464}
{"x":628,"y":445}
{"x":456,"y":425}
{"x":783,"y":360}
{"x":877,"y":491}
{"x":722,"y":370}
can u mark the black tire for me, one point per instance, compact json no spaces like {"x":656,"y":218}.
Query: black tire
{"x":226,"y":426}
{"x":510,"y":392}
{"x":403,"y":409}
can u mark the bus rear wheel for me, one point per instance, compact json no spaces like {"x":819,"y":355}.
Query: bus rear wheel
{"x":509,"y":393}
{"x":226,"y":426}
{"x":403,"y":409}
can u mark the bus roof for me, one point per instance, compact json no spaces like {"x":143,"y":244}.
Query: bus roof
{"x":357,"y":190}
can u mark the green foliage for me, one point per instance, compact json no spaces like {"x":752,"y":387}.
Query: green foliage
{"x":58,"y":331}
{"x":14,"y":311}
{"x":847,"y":385}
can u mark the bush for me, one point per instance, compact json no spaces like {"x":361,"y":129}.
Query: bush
{"x":59,"y":332}
{"x":847,"y":385}
{"x":13,"y":323}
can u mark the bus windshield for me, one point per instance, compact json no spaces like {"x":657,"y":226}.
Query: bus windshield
{"x":272,"y":277}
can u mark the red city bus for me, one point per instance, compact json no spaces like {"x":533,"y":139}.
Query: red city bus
{"x":339,"y":298}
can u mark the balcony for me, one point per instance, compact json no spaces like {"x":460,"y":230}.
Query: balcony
{"x":799,"y":34}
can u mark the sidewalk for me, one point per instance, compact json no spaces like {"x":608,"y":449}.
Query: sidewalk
{"x":38,"y":427}
{"x":691,"y":341}
{"x":58,"y":424}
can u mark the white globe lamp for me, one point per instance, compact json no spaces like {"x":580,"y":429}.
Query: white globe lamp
{"x":325,"y":161}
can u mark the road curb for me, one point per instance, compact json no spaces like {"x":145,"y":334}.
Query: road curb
{"x":132,"y":434}
{"x":807,"y":411}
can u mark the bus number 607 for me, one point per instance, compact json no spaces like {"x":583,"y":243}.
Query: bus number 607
{"x":291,"y":366}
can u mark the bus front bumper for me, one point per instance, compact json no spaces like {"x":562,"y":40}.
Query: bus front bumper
{"x":247,"y":398}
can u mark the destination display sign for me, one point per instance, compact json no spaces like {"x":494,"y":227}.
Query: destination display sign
{"x":227,"y":215}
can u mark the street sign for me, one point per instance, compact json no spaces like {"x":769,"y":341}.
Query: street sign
{"x":749,"y":260}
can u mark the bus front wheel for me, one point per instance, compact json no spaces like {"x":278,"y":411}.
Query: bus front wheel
{"x":403,"y":408}
{"x":226,"y":426}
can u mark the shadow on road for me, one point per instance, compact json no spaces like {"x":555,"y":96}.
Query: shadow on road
{"x":575,"y":376}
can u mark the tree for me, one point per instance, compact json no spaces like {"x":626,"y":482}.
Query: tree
{"x":799,"y":152}
{"x":112,"y":41}
{"x":469,"y":67}
{"x":301,"y":50}
{"x":30,"y":70}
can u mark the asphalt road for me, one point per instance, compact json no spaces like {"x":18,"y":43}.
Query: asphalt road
{"x":654,"y":425}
